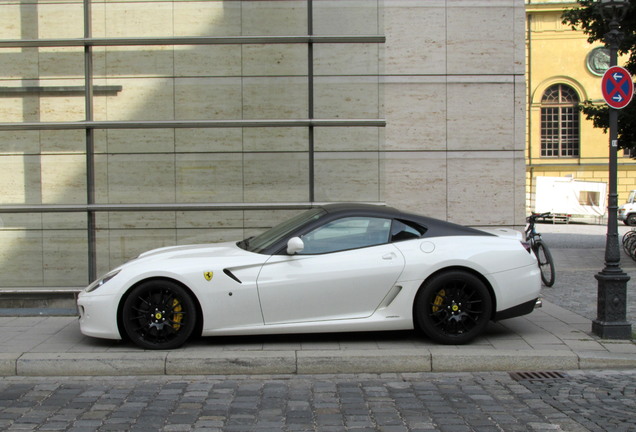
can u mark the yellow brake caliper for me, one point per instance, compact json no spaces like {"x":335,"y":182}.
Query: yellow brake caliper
{"x":177,"y":316}
{"x":439,"y":299}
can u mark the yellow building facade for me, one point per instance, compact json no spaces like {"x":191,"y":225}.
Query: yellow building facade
{"x":563,"y":69}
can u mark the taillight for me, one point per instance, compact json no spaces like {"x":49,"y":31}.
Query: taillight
{"x":526,"y":245}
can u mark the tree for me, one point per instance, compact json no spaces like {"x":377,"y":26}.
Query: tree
{"x":587,"y":18}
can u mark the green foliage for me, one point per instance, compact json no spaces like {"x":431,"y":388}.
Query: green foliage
{"x":588,"y":19}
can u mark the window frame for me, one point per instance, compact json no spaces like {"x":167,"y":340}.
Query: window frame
{"x":560,"y":123}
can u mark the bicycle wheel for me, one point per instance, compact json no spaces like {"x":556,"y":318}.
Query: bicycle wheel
{"x":546,"y":263}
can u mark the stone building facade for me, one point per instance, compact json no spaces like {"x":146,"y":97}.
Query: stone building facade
{"x":127,"y":126}
{"x":563,"y":70}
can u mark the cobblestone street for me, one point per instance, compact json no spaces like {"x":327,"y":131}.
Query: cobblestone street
{"x":579,"y":254}
{"x":573,"y":401}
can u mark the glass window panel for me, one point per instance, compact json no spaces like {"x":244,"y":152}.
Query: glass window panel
{"x":63,"y":179}
{"x":275,"y":60}
{"x":62,"y":141}
{"x":31,"y":256}
{"x":61,"y":62}
{"x":208,"y":98}
{"x":19,"y":142}
{"x":126,"y":141}
{"x":345,"y":17}
{"x":207,"y":18}
{"x":145,"y":61}
{"x":347,"y":138}
{"x":17,"y":63}
{"x":20,"y":179}
{"x":346,"y":59}
{"x":347,"y":176}
{"x":130,"y":19}
{"x":276,"y":177}
{"x":347,"y":97}
{"x":275,"y":98}
{"x":135,"y":178}
{"x":275,"y":139}
{"x":207,"y":60}
{"x":141,"y":98}
{"x":209,"y":140}
{"x":208,"y":178}
{"x":560,"y":122}
{"x":267,"y":18}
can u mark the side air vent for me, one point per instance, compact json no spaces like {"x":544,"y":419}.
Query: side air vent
{"x":231,"y":275}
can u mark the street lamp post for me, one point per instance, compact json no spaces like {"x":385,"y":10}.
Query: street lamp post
{"x":611,"y":321}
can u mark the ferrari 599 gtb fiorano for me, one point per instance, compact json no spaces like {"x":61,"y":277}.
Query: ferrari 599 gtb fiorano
{"x":333,"y":268}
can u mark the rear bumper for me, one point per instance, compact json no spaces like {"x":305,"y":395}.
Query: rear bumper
{"x":519,"y":310}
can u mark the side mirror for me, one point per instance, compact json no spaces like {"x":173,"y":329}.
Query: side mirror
{"x":295,"y":245}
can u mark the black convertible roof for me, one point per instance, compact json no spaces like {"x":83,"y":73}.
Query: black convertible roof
{"x":434,"y":227}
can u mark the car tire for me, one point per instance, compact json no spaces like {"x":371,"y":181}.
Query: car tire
{"x":158,"y":315}
{"x":453,"y":307}
{"x":631,"y":220}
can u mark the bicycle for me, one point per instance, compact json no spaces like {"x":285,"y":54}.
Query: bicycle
{"x":541,"y":251}
{"x":629,"y":244}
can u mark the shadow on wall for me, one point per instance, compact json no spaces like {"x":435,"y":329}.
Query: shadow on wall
{"x":176,"y":165}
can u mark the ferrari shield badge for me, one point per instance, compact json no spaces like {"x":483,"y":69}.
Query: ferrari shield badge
{"x":208,"y":275}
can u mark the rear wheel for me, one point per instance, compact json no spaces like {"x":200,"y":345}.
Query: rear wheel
{"x":546,"y":263}
{"x":631,"y":220}
{"x":158,"y":314}
{"x":453,"y":307}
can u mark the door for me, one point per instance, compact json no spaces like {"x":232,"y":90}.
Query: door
{"x":327,"y":283}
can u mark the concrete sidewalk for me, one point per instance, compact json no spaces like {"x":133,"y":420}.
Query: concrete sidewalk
{"x":551,"y":338}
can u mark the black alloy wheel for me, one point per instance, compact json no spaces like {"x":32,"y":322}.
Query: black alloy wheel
{"x":453,"y":307}
{"x":159,"y":315}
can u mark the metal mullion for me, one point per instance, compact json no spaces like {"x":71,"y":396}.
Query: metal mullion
{"x":310,"y":101}
{"x":90,"y":145}
{"x":78,"y":208}
{"x":191,"y":40}
{"x":187,"y":124}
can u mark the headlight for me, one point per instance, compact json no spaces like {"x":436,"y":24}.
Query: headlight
{"x":101,"y":281}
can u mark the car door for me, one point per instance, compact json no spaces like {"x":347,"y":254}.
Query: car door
{"x":344,"y":272}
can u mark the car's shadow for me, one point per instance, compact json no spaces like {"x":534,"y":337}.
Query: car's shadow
{"x":315,"y":341}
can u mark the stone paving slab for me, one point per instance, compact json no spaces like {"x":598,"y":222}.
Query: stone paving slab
{"x":551,"y":338}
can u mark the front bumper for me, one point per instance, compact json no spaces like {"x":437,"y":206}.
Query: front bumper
{"x":98,"y":316}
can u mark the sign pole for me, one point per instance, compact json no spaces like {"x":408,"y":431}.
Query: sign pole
{"x":611,"y":321}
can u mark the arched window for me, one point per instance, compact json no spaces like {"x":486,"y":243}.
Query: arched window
{"x":560,"y":122}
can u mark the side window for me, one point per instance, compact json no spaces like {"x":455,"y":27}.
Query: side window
{"x":401,"y":231}
{"x":347,"y":233}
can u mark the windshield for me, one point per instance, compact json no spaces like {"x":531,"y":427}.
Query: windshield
{"x":262,"y":241}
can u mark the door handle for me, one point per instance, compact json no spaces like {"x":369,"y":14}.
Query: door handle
{"x":389,"y":256}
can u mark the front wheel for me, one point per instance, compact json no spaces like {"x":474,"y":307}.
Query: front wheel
{"x":546,"y":263}
{"x":453,"y":307}
{"x":158,"y":314}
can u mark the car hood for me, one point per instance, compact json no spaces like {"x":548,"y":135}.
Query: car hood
{"x":213,"y":250}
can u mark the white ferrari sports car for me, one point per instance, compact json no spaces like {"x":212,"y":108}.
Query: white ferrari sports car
{"x":333,"y":268}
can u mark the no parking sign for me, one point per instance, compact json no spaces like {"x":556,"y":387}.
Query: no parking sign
{"x":617,"y":86}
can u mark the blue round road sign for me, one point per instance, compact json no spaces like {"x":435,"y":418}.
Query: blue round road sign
{"x":618,"y":87}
